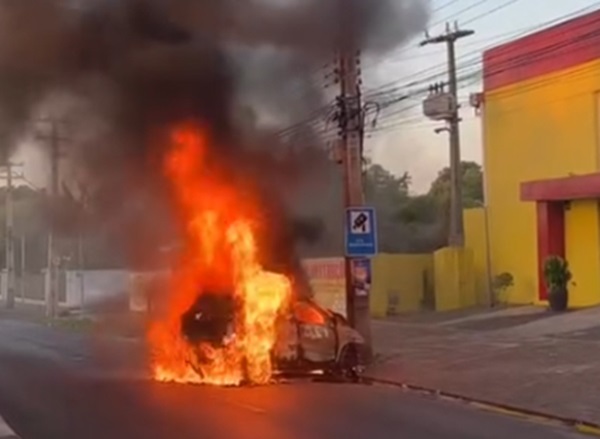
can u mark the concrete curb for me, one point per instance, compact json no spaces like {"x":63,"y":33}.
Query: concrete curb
{"x":584,"y":427}
{"x":5,"y":431}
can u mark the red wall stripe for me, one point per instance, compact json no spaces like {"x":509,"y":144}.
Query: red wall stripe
{"x":565,"y":45}
{"x":574,"y":187}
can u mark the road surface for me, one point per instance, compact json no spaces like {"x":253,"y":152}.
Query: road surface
{"x":57,"y":385}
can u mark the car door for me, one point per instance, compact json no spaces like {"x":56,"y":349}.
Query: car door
{"x":316,"y":332}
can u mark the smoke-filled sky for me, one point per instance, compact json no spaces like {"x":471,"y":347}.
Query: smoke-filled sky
{"x":123,"y":72}
{"x":141,"y":52}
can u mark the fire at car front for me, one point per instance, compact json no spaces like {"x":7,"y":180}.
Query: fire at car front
{"x":220,"y":255}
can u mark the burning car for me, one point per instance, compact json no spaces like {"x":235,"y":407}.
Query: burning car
{"x":236,"y":308}
{"x":310,"y":339}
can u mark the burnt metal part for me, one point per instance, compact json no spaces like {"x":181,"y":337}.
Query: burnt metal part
{"x":209,"y":319}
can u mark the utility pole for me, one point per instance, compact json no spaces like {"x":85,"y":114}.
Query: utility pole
{"x":444,"y":106}
{"x":9,"y":235}
{"x":351,"y":122}
{"x":54,"y":140}
{"x":23,"y":267}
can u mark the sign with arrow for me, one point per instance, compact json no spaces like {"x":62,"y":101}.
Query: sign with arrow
{"x":361,"y":232}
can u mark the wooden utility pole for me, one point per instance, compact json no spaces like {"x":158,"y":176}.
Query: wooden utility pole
{"x":351,"y":121}
{"x":54,"y":140}
{"x":9,"y":234}
{"x":456,"y":236}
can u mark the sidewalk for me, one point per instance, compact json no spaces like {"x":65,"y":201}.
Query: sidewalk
{"x":521,"y":357}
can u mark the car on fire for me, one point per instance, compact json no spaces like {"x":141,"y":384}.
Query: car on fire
{"x":310,"y":338}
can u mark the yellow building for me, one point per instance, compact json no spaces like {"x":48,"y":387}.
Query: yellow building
{"x":541,"y":129}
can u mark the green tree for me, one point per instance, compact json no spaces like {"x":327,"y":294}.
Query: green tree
{"x":419,"y":209}
{"x":472,"y":185}
{"x":385,"y":190}
{"x":406,"y":223}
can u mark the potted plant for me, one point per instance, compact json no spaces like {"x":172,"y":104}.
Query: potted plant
{"x":557,"y":276}
{"x":500,"y":284}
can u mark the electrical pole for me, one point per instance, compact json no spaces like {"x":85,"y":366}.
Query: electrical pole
{"x":8,"y":239}
{"x":10,"y":251}
{"x":23,"y":267}
{"x":54,"y":139}
{"x":9,"y":235}
{"x":351,"y":121}
{"x":456,"y":236}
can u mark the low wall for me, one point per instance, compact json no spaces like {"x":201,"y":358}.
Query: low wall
{"x":28,"y":289}
{"x":76,"y":288}
{"x":476,"y":239}
{"x":454,"y":279}
{"x":401,"y":283}
{"x":90,"y":287}
{"x":145,"y":290}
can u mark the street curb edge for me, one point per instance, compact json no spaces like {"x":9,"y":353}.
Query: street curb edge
{"x":589,"y":430}
{"x":585,"y":427}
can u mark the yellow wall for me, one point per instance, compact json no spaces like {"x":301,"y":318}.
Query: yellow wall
{"x":583,"y":252}
{"x":541,"y":128}
{"x":395,"y":276}
{"x":454,"y":279}
{"x":475,"y":240}
{"x":400,"y":277}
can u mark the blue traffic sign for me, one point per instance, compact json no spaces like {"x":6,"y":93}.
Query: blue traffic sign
{"x":361,"y":232}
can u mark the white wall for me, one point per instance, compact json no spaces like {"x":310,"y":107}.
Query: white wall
{"x":89,"y":287}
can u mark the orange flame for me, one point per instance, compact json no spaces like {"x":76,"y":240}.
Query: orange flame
{"x":220,"y":253}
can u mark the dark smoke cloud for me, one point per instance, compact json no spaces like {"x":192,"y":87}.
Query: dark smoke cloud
{"x":122,"y":71}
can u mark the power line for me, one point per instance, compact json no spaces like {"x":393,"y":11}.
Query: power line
{"x":444,"y":6}
{"x":476,"y":59}
{"x":393,"y":95}
{"x":462,"y":11}
{"x":524,"y":59}
{"x":491,"y":11}
{"x":577,"y":75}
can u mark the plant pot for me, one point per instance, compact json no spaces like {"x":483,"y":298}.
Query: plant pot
{"x":558,"y":299}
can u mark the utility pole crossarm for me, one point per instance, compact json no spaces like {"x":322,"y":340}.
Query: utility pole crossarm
{"x":448,"y":36}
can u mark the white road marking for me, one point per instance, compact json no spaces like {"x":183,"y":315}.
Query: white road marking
{"x":5,"y":431}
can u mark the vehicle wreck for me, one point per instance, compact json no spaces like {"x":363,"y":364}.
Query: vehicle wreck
{"x":310,"y":339}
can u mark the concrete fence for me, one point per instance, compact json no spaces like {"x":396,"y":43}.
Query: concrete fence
{"x":445,"y":280}
{"x":76,"y":288}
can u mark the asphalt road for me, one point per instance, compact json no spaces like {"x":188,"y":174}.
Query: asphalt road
{"x":61,"y":385}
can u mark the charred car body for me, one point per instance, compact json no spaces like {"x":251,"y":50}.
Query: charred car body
{"x":310,"y":338}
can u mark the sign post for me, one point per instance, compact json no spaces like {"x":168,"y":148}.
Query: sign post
{"x":361,"y":232}
{"x":360,"y":245}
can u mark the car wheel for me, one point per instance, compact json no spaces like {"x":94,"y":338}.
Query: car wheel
{"x":348,"y":363}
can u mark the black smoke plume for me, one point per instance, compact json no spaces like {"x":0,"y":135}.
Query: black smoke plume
{"x":123,"y":71}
